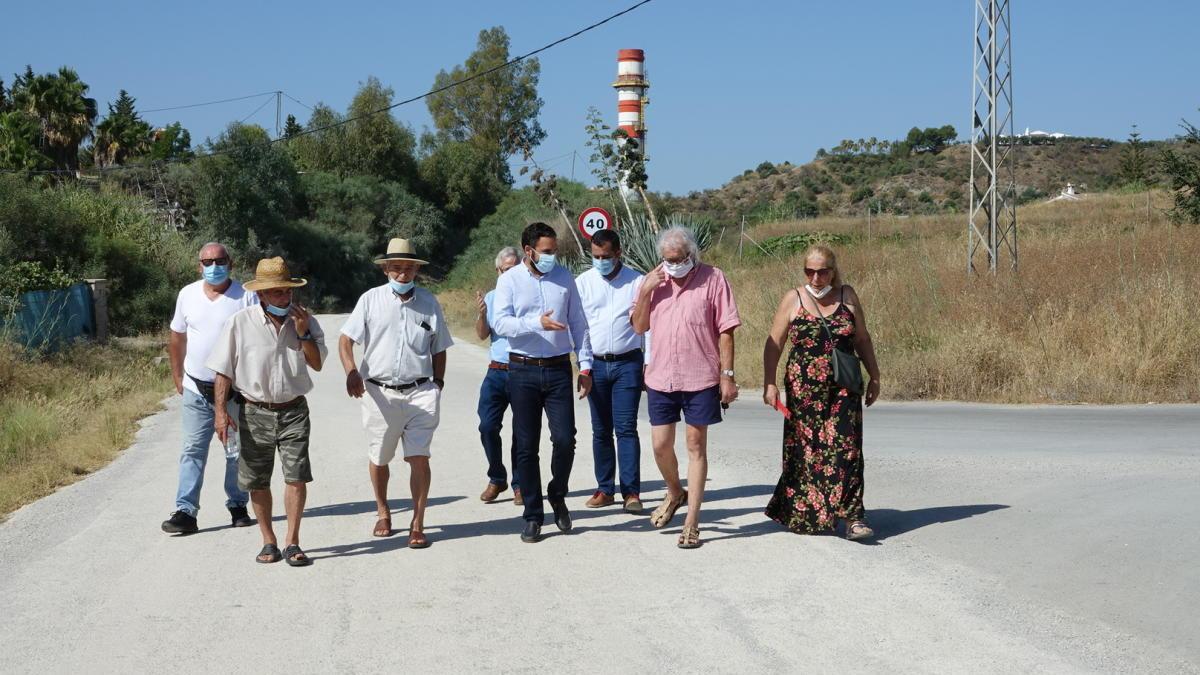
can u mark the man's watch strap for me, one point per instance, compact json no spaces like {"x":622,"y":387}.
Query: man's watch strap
{"x":307,"y":337}
{"x":727,"y":373}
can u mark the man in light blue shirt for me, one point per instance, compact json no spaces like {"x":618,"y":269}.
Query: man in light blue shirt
{"x":537,"y":308}
{"x":493,"y":392}
{"x":607,"y":292}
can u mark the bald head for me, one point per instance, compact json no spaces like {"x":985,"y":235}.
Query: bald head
{"x":213,"y":250}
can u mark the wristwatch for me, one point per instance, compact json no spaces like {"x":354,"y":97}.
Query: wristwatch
{"x":441,"y":384}
{"x":587,"y":372}
{"x":307,"y":337}
{"x":727,"y":373}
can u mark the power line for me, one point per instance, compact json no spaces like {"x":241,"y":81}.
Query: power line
{"x":298,"y":101}
{"x":198,"y":105}
{"x":260,"y":107}
{"x":340,"y":123}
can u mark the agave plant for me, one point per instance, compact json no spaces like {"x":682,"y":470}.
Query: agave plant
{"x":639,"y":241}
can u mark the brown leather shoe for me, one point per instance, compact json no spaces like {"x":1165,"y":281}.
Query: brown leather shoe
{"x":632,"y":504}
{"x":492,"y":491}
{"x":518,"y":500}
{"x":599,"y":499}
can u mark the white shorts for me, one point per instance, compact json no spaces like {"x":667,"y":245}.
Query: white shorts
{"x":391,"y":416}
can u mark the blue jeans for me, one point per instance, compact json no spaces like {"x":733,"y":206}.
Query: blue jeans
{"x":197,"y":435}
{"x":493,"y":401}
{"x":615,"y":397}
{"x":532,"y":389}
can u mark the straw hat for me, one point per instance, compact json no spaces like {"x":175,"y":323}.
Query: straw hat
{"x":272,"y":273}
{"x":400,"y":249}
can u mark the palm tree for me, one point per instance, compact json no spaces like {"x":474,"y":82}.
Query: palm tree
{"x":58,"y":101}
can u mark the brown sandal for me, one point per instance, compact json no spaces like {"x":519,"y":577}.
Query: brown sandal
{"x":418,"y":540}
{"x":666,"y":510}
{"x":383,"y":528}
{"x":857,"y":530}
{"x":690,"y":537}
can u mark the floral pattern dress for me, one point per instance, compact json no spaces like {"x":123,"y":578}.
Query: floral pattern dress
{"x":822,"y":477}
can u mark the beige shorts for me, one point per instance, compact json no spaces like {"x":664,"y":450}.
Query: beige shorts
{"x":391,"y":417}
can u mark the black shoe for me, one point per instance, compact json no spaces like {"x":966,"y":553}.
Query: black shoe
{"x":532,"y":533}
{"x":180,"y":523}
{"x":562,"y":517}
{"x":240,"y":517}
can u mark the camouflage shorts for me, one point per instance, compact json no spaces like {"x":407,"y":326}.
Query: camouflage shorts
{"x":264,"y":432}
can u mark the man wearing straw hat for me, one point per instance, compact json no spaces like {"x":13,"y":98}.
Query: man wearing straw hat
{"x":404,"y":339}
{"x":264,"y":352}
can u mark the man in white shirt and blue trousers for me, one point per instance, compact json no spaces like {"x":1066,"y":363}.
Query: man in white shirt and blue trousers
{"x":538,"y":309}
{"x":607,"y":292}
{"x":201,"y":310}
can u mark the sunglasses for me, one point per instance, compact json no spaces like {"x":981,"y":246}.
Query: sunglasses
{"x":808,"y":271}
{"x":209,"y":262}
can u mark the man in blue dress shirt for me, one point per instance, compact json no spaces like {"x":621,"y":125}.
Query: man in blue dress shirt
{"x":608,"y":291}
{"x":538,"y":309}
{"x":493,"y":391}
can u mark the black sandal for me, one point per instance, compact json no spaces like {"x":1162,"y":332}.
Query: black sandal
{"x":293,"y":556}
{"x":269,"y":550}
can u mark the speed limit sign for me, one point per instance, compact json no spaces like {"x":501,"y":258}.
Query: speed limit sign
{"x":594,"y":219}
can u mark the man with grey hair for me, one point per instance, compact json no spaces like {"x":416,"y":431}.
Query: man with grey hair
{"x":493,"y":392}
{"x":200,"y":311}
{"x":689,"y":307}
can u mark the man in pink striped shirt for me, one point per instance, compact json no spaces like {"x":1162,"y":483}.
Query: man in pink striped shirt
{"x":689,"y":307}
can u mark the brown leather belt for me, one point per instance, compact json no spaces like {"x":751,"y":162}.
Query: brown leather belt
{"x":561,"y":360}
{"x":277,"y":406}
{"x":496,"y":365}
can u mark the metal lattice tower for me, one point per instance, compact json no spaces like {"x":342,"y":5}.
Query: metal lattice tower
{"x":992,"y":223}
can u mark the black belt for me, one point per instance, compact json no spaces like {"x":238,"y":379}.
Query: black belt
{"x":627,"y":356}
{"x":277,"y":406}
{"x":561,"y":360}
{"x":399,"y":387}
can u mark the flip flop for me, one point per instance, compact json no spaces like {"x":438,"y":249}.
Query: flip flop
{"x":418,"y":540}
{"x":294,"y":557}
{"x":269,"y":550}
{"x":383,"y":528}
{"x":666,"y":510}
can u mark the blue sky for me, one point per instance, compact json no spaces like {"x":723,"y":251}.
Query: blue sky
{"x":733,"y":84}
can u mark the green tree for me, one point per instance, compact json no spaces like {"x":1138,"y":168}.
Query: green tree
{"x":20,"y":135}
{"x":246,"y":193}
{"x":122,"y":135}
{"x":1181,"y":168}
{"x":497,"y":111}
{"x":170,"y":142}
{"x":59,"y":102}
{"x":1135,"y":161}
{"x":291,"y":128}
{"x":324,"y":147}
{"x":377,"y":144}
{"x":464,"y":180}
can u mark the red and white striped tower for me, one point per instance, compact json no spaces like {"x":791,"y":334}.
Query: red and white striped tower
{"x":631,"y":86}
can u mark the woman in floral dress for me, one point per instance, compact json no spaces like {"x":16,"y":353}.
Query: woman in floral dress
{"x":822,"y":479}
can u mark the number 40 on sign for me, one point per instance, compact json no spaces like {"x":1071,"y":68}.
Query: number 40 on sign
{"x":594,"y":219}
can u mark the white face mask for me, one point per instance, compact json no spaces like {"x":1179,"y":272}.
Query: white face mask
{"x":818,"y":294}
{"x":678,"y":270}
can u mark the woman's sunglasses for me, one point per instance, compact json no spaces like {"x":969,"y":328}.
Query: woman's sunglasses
{"x":808,"y":271}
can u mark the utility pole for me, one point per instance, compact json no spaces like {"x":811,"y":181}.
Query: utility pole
{"x":278,"y":111}
{"x":992,"y":217}
{"x":572,"y":165}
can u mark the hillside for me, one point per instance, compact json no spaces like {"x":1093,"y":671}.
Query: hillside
{"x":928,"y":183}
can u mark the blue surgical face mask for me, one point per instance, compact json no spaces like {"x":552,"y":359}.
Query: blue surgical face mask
{"x":401,"y":287}
{"x":279,"y":311}
{"x":545,"y":262}
{"x":216,"y":274}
{"x":604,"y":265}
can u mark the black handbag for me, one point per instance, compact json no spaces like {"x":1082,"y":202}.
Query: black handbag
{"x":847,"y":368}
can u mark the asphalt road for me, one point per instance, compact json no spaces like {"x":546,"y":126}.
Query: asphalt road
{"x":1011,"y":539}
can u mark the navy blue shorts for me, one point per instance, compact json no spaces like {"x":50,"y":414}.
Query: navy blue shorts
{"x":700,"y":408}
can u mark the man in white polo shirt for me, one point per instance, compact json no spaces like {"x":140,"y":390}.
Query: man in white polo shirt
{"x":201,"y":309}
{"x":607,"y":292}
{"x":404,"y":338}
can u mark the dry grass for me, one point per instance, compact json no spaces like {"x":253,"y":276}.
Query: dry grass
{"x":69,"y":414}
{"x":1102,"y":310}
